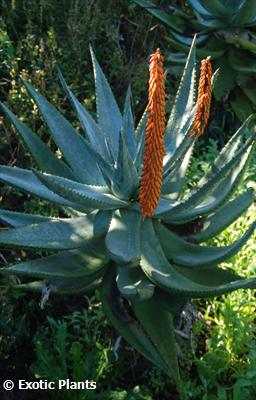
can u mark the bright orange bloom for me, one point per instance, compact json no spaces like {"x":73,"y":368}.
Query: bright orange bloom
{"x":152,"y":173}
{"x":204,"y":97}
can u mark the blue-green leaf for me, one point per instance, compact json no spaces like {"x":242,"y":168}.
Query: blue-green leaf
{"x":123,"y":238}
{"x":224,"y":217}
{"x":73,"y":145}
{"x":158,"y":324}
{"x":162,"y":273}
{"x":72,"y":264}
{"x":109,"y":116}
{"x":133,"y":284}
{"x":125,"y":179}
{"x":89,"y":197}
{"x":45,"y":159}
{"x":183,"y":104}
{"x":91,"y":129}
{"x":192,"y":255}
{"x":57,"y":234}
{"x":126,"y":325}
{"x":17,"y":219}
{"x":28,"y":182}
{"x":128,"y":129}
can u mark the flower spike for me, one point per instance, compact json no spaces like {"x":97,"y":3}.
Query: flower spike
{"x":152,"y":172}
{"x":204,"y":96}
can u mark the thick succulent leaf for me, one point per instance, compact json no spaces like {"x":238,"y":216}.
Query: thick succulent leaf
{"x":91,"y":129}
{"x":192,"y":255}
{"x":173,"y":21}
{"x":133,"y":284}
{"x":171,"y":158}
{"x":124,"y":323}
{"x":128,"y":129}
{"x":183,"y":104}
{"x":215,"y":8}
{"x":224,"y":217}
{"x":229,"y":150}
{"x":162,"y":273}
{"x":57,"y":234}
{"x":123,"y":237}
{"x":45,"y":159}
{"x":68,"y":286}
{"x":101,"y":222}
{"x":60,"y":285}
{"x":27,"y":181}
{"x":226,"y":79}
{"x":158,"y":324}
{"x":73,"y":264}
{"x":242,"y":62}
{"x":140,"y":138}
{"x":109,"y":116}
{"x":125,"y":180}
{"x":197,"y":6}
{"x":246,"y":13}
{"x":218,"y":196}
{"x":17,"y":219}
{"x":73,"y":145}
{"x":174,"y":181}
{"x":228,"y":172}
{"x":90,"y":197}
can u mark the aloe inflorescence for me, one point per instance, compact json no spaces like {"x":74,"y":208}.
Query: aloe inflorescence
{"x":121,"y":189}
{"x":152,"y":172}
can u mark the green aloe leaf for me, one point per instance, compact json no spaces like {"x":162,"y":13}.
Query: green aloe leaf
{"x":67,"y":264}
{"x":230,"y":149}
{"x":224,"y":217}
{"x":125,"y":179}
{"x":45,"y":159}
{"x":172,"y":21}
{"x":229,"y":171}
{"x":183,"y":104}
{"x":174,"y":181}
{"x":123,"y":237}
{"x":128,"y":129}
{"x":140,"y":137}
{"x":59,"y":234}
{"x":91,"y":129}
{"x":90,"y":197}
{"x":133,"y":284}
{"x":109,"y":116}
{"x":17,"y":219}
{"x":125,"y":324}
{"x":158,"y":324}
{"x":73,"y":145}
{"x":192,"y":255}
{"x":27,"y":181}
{"x":156,"y":266}
{"x":219,"y":195}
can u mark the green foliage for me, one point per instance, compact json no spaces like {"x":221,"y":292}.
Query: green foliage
{"x":226,"y":32}
{"x":107,"y":233}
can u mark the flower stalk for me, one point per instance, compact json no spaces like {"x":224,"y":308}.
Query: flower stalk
{"x":152,"y":172}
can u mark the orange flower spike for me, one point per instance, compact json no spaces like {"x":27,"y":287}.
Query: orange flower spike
{"x":204,"y":97}
{"x":152,"y":172}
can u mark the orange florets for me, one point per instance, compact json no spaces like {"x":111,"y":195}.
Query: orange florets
{"x":152,"y":173}
{"x":204,"y":97}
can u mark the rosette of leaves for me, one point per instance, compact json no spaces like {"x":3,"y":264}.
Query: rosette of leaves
{"x":227,"y":32}
{"x":145,"y":268}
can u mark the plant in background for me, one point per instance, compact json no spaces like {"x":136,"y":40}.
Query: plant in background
{"x":145,"y":256}
{"x":227,"y":32}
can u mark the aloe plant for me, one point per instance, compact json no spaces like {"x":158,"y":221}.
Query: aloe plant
{"x":227,"y":32}
{"x":107,"y":240}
